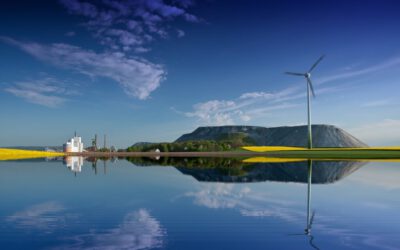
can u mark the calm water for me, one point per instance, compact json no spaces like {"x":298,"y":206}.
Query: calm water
{"x":198,"y":204}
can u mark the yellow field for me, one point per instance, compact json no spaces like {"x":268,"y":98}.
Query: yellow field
{"x":18,"y":154}
{"x":271,"y":148}
{"x":272,"y":160}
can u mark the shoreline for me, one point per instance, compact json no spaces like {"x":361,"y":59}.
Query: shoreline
{"x":305,"y":154}
{"x":321,"y":153}
{"x":168,"y":154}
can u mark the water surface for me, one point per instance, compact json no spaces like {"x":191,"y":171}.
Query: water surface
{"x":198,"y":203}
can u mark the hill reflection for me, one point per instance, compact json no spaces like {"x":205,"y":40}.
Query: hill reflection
{"x":235,"y":170}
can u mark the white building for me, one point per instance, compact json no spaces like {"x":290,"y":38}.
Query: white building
{"x":73,"y":145}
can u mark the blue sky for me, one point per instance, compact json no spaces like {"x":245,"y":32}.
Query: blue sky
{"x":153,"y":70}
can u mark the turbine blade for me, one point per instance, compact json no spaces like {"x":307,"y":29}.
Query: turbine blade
{"x":311,"y":87}
{"x":316,"y":63}
{"x":294,"y":74}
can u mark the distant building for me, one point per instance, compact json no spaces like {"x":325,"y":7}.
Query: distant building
{"x":47,"y":149}
{"x":73,"y":145}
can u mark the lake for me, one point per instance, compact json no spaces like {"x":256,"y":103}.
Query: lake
{"x":198,"y":203}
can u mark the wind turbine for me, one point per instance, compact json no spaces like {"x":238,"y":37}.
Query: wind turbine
{"x":307,"y":75}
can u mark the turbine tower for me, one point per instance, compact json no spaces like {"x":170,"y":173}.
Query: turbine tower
{"x":307,"y":75}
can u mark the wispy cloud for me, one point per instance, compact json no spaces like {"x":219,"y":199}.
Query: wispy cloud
{"x":138,"y":77}
{"x":352,"y":72}
{"x":125,"y":29}
{"x":138,"y":230}
{"x":242,"y":109}
{"x":377,"y":103}
{"x":248,"y":106}
{"x":260,"y":103}
{"x":70,"y":33}
{"x":128,"y":25}
{"x":47,"y":91}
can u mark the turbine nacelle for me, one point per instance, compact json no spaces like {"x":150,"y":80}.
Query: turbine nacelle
{"x":307,"y":75}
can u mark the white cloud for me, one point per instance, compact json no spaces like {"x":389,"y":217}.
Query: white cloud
{"x":47,"y":91}
{"x":124,"y":28}
{"x":244,"y":108}
{"x":37,"y":97}
{"x":127,"y":25}
{"x":138,"y":230}
{"x":137,"y":77}
{"x":251,"y":95}
{"x":253,"y":104}
{"x":212,"y":112}
{"x":250,"y":105}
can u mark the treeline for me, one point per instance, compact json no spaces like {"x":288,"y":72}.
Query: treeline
{"x":190,"y":146}
{"x":225,"y":143}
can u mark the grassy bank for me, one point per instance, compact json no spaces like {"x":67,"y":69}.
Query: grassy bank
{"x":329,"y":153}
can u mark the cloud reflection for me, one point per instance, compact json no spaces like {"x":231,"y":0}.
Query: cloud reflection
{"x":252,"y":203}
{"x":248,"y":202}
{"x":43,"y":216}
{"x":138,"y":230}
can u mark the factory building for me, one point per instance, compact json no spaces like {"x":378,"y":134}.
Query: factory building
{"x":74,"y":145}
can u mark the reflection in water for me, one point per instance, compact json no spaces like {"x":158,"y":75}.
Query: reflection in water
{"x":210,"y":206}
{"x":310,"y":217}
{"x":309,"y":178}
{"x":43,"y":216}
{"x":74,"y":163}
{"x":234,"y":170}
{"x":247,"y":201}
{"x":138,"y":230}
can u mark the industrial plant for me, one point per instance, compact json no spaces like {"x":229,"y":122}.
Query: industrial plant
{"x":73,"y":145}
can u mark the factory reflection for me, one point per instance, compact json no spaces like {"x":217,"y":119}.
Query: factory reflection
{"x":75,"y":163}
